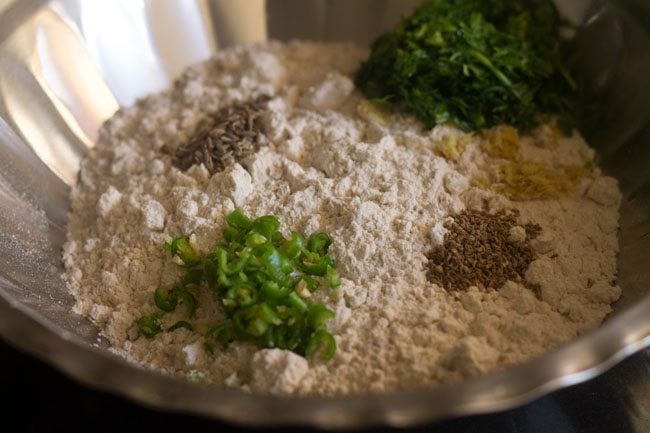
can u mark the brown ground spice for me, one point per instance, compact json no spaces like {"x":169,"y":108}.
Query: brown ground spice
{"x":478,"y":251}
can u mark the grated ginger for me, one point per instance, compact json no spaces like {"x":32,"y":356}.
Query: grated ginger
{"x":501,"y":142}
{"x":532,"y":181}
{"x":452,"y":147}
{"x":375,"y":111}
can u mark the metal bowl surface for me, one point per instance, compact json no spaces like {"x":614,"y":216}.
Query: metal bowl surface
{"x":67,"y":65}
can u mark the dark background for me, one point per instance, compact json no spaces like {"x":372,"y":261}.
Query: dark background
{"x":37,"y":398}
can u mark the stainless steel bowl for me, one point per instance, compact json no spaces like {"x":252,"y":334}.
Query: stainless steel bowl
{"x":66,"y":66}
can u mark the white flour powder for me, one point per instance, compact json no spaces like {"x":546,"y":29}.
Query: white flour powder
{"x":383,"y":194}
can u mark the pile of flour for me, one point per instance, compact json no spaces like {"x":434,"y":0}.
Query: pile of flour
{"x":383,"y":194}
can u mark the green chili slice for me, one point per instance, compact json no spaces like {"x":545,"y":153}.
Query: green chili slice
{"x":266,"y":225}
{"x":321,"y":345}
{"x":181,"y":248}
{"x":266,"y":313}
{"x":294,"y":300}
{"x":274,"y":291}
{"x":274,"y":264}
{"x":319,"y":315}
{"x":187,"y":299}
{"x":239,"y":220}
{"x":193,"y":278}
{"x":223,"y":279}
{"x":292,"y":247}
{"x":313,"y":264}
{"x":224,"y":333}
{"x":242,"y":296}
{"x":231,"y":234}
{"x":181,"y":324}
{"x":166,"y":300}
{"x":257,"y":327}
{"x":255,"y":240}
{"x":238,"y":265}
{"x":211,"y":271}
{"x":149,"y":326}
{"x":319,"y":243}
{"x":333,"y":277}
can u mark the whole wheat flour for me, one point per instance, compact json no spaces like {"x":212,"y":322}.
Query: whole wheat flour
{"x":381,"y":185}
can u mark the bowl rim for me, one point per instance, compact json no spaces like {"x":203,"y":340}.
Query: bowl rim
{"x":573,"y":362}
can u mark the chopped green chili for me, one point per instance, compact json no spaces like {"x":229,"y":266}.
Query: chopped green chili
{"x":266,"y":225}
{"x":224,"y":333}
{"x":321,"y":345}
{"x":263,"y":283}
{"x":180,"y":247}
{"x":297,"y":302}
{"x":292,"y":247}
{"x":274,"y":291}
{"x":180,"y":324}
{"x":149,"y":325}
{"x":166,"y":300}
{"x":315,"y":264}
{"x":193,"y":278}
{"x":241,"y":296}
{"x":238,"y":220}
{"x":319,"y":243}
{"x":319,"y":316}
{"x":333,"y":277}
{"x":187,"y":299}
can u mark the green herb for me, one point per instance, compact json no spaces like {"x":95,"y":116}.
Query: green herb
{"x":474,"y":64}
{"x":262,"y":281}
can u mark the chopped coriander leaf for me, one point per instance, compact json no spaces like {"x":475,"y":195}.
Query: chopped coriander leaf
{"x":474,"y":64}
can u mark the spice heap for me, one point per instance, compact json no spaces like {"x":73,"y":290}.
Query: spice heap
{"x":262,"y":280}
{"x":483,"y":250}
{"x":230,"y":136}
